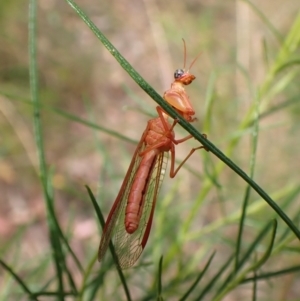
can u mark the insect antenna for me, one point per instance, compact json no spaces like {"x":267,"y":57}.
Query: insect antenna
{"x":184,"y":56}
{"x":195,"y":59}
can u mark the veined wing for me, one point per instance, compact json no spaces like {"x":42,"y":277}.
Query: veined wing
{"x":129,"y":247}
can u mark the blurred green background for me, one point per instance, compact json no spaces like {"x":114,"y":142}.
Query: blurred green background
{"x":239,"y":43}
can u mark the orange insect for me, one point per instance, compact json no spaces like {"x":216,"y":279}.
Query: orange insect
{"x":129,"y":221}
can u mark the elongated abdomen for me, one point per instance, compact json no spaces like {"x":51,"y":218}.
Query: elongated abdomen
{"x":136,"y":195}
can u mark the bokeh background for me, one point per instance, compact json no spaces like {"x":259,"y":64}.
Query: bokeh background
{"x":238,"y":41}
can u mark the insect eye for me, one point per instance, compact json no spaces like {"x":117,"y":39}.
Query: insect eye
{"x":178,"y":73}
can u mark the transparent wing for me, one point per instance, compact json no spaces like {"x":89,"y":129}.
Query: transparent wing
{"x":129,"y":247}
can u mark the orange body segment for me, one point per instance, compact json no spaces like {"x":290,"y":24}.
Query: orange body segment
{"x":137,"y":192}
